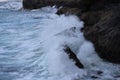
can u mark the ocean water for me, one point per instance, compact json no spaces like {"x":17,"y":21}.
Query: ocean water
{"x":32,"y":43}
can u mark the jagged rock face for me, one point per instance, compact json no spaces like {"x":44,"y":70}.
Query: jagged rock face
{"x":34,"y":4}
{"x":105,"y":35}
{"x":82,"y":4}
{"x":102,"y":27}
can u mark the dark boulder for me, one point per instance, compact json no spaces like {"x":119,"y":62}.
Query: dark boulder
{"x":31,"y":4}
{"x":35,"y":4}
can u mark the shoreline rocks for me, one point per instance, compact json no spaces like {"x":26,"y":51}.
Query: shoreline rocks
{"x":34,"y":4}
{"x":102,"y":22}
{"x":102,"y":27}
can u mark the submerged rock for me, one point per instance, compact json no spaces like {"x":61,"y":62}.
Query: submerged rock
{"x":69,"y":11}
{"x":72,"y":56}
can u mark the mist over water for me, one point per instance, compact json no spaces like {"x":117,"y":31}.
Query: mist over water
{"x":32,"y":43}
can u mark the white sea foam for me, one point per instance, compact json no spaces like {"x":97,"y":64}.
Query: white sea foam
{"x":54,"y":37}
{"x":11,"y":4}
{"x":59,"y":31}
{"x":33,"y":44}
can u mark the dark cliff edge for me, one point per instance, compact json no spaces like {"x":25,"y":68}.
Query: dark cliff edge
{"x":102,"y":22}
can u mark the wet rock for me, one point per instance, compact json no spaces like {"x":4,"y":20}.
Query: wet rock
{"x":102,"y":26}
{"x":69,"y":11}
{"x":99,"y":72}
{"x":72,"y":56}
{"x":94,"y":77}
{"x":85,"y":5}
{"x":105,"y":35}
{"x":96,"y":5}
{"x":30,"y":4}
{"x":117,"y":76}
{"x":34,"y":4}
{"x":90,"y":18}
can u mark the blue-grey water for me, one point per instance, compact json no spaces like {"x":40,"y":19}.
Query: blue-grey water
{"x":19,"y":42}
{"x":31,"y":43}
{"x":18,"y":32}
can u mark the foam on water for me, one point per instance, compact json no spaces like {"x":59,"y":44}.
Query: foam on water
{"x":32,"y":43}
{"x":11,"y":4}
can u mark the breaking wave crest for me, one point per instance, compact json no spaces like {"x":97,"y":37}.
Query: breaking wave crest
{"x":32,"y":46}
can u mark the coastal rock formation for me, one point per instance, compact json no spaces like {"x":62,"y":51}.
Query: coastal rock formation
{"x":85,"y":5}
{"x":101,"y":27}
{"x":34,"y":4}
{"x":102,"y":22}
{"x":105,"y":35}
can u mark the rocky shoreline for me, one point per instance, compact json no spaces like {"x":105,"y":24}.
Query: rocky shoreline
{"x":102,"y":22}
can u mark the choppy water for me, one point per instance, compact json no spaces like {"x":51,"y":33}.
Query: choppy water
{"x":31,"y":47}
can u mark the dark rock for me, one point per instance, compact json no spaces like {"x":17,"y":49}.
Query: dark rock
{"x":90,"y":18}
{"x":69,"y":11}
{"x":34,"y":4}
{"x":105,"y":35}
{"x":99,"y":72}
{"x":117,"y":76}
{"x":94,"y":77}
{"x":95,"y":5}
{"x":31,"y":4}
{"x":85,"y":5}
{"x":73,"y":57}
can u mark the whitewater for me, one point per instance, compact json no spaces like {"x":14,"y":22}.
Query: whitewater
{"x":32,"y":46}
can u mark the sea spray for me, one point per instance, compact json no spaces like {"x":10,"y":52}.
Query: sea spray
{"x":32,"y":47}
